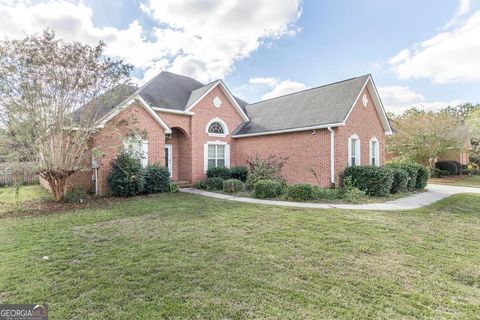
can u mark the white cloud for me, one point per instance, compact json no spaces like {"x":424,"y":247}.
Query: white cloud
{"x":462,"y":9}
{"x":194,"y":37}
{"x":284,"y":87}
{"x":267,"y":88}
{"x":447,"y":57}
{"x":398,"y":99}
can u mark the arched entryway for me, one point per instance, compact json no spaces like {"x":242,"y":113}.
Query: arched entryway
{"x":178,"y":155}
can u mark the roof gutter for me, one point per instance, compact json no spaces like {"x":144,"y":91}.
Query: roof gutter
{"x":332,"y":155}
{"x":339,"y":124}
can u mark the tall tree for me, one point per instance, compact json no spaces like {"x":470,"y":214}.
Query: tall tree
{"x":473,"y":124}
{"x":43,"y":83}
{"x":422,"y":136}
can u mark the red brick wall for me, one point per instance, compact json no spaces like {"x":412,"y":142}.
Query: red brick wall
{"x":109,"y":140}
{"x":204,"y":112}
{"x":309,"y":153}
{"x":364,"y":122}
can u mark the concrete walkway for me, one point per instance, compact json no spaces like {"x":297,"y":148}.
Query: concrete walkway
{"x":435,"y":192}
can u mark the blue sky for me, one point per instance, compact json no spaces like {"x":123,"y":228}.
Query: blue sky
{"x":425,"y":54}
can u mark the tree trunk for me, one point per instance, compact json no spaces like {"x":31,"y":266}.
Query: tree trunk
{"x":56,"y":181}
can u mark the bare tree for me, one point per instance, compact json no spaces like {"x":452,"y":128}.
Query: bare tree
{"x":48,"y":92}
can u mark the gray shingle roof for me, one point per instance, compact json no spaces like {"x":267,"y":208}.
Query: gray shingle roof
{"x":102,"y":105}
{"x":196,"y":94}
{"x":318,"y":106}
{"x":169,"y":90}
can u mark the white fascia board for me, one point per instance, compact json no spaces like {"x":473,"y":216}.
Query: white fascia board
{"x":165,"y":110}
{"x":154,"y":115}
{"x":288,"y":130}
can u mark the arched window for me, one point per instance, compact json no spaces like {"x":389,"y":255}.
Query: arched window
{"x":216,"y":128}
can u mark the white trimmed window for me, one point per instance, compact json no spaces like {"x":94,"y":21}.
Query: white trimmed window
{"x":374,"y":152}
{"x":217,"y":128}
{"x":354,"y":150}
{"x":216,"y":154}
{"x":138,"y":148}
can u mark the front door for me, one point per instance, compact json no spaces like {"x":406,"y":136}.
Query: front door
{"x":168,"y":158}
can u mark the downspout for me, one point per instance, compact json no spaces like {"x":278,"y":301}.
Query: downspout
{"x":332,"y":156}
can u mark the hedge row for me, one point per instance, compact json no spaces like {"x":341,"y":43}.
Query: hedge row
{"x":238,"y":173}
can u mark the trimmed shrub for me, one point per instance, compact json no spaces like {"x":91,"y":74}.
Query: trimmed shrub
{"x":300,"y":192}
{"x":400,"y":180}
{"x":326,"y":193}
{"x":267,"y":189}
{"x":126,"y":178}
{"x":219,"y":172}
{"x":375,"y":181}
{"x":459,"y":167}
{"x":202,"y":184}
{"x":239,"y":173}
{"x":233,"y":186}
{"x":349,"y":192}
{"x":449,"y":166}
{"x":412,"y":170}
{"x":215,"y":183}
{"x":422,"y":177}
{"x":157,"y":179}
{"x":439,"y":173}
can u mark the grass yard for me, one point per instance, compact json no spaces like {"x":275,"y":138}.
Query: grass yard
{"x":183,"y":256}
{"x":10,"y":201}
{"x":463,"y":181}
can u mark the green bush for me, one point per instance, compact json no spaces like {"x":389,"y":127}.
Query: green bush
{"x":78,"y":195}
{"x":300,"y":192}
{"x":157,"y":179}
{"x":400,"y":180}
{"x":449,"y":166}
{"x":202,"y":184}
{"x":326,"y":193}
{"x":126,"y":178}
{"x":268,"y":168}
{"x":215,"y":183}
{"x":233,"y":186}
{"x":422,"y":177}
{"x":267,"y":189}
{"x":219,"y":172}
{"x":173,"y":188}
{"x":239,"y":173}
{"x":349,"y":192}
{"x":412,"y":170}
{"x":439,"y":173}
{"x":375,"y":181}
{"x":460,"y":167}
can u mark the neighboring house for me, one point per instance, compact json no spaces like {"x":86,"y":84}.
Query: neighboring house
{"x":190,"y":127}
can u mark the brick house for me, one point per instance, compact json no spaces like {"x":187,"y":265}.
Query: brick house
{"x":189,"y":127}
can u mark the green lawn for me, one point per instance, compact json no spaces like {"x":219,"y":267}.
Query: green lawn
{"x":183,"y":256}
{"x":464,"y":181}
{"x":10,"y":201}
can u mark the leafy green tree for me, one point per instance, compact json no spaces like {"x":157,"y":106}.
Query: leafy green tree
{"x":422,"y":136}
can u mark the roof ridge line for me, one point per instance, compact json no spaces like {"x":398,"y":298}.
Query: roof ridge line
{"x":308,"y":89}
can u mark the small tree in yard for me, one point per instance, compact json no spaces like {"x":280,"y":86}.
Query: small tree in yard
{"x":422,"y":136}
{"x":43,"y":83}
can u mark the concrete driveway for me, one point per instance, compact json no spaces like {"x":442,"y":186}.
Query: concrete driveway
{"x":434,"y":193}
